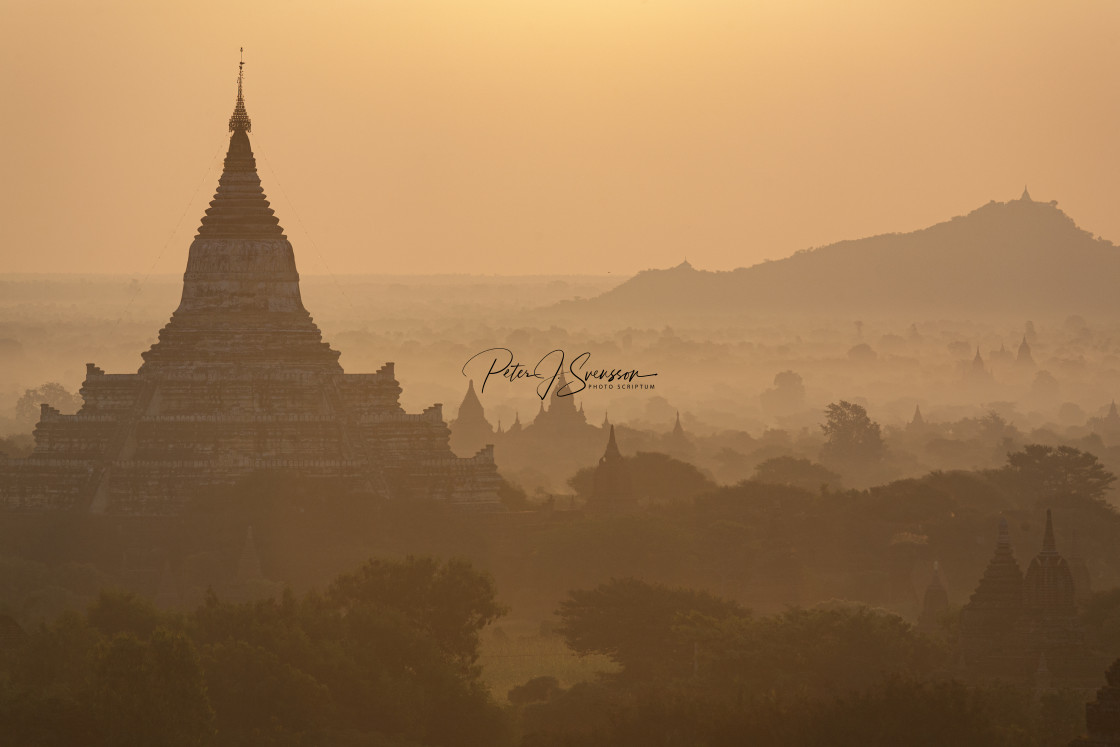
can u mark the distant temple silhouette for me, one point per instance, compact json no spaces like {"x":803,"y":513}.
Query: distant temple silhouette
{"x":613,"y":489}
{"x":1108,"y":426}
{"x":677,"y":443}
{"x":559,"y":436}
{"x":1102,"y":714}
{"x":562,"y":417}
{"x":240,"y":381}
{"x":1019,"y":626}
{"x":470,"y":430}
{"x":935,"y":605}
{"x":917,"y":422}
{"x":1024,"y":358}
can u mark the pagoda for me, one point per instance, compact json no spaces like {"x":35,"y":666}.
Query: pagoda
{"x":240,"y":381}
{"x":1050,"y":624}
{"x":989,"y":618}
{"x":1024,"y":357}
{"x":612,"y":489}
{"x":935,"y":605}
{"x":1015,"y":623}
{"x":470,"y":430}
{"x":562,"y":418}
{"x":1102,"y":715}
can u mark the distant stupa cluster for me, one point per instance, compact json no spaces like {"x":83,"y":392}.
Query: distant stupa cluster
{"x":561,"y":435}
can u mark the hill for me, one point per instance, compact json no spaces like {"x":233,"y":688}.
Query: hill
{"x":1018,"y":258}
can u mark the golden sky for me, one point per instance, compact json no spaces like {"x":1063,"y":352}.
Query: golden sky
{"x":546,"y":136}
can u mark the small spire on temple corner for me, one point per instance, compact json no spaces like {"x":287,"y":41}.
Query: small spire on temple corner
{"x":239,"y":121}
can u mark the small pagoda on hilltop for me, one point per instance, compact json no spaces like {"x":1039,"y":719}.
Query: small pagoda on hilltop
{"x":240,"y":381}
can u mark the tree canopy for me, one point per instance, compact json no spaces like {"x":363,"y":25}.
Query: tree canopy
{"x":383,"y":659}
{"x":852,"y":435}
{"x":1059,"y":474}
{"x":51,"y":393}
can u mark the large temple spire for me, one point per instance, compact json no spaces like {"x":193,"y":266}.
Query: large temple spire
{"x":239,"y":120}
{"x":241,"y":300}
{"x":240,"y":208}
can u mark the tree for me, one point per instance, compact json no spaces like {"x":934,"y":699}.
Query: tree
{"x":376,"y":661}
{"x":116,"y":612}
{"x":53,"y":394}
{"x":1059,"y":474}
{"x":536,"y":690}
{"x":818,"y":651}
{"x":451,"y":602}
{"x":787,"y":394}
{"x":852,"y":435}
{"x":800,"y":473}
{"x":152,"y":692}
{"x":634,"y":623}
{"x":655,"y":477}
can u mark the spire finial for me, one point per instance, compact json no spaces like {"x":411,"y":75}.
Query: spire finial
{"x":936,"y":580}
{"x":239,"y":121}
{"x":612,"y":453}
{"x":1048,"y":545}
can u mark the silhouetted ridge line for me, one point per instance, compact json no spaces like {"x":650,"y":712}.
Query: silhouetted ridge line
{"x":1005,"y":257}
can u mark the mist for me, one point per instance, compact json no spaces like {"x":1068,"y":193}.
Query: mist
{"x":539,"y":375}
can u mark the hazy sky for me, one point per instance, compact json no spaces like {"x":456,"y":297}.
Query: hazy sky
{"x":552,"y":136}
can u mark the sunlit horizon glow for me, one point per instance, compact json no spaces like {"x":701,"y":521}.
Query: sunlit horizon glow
{"x":545,"y":137}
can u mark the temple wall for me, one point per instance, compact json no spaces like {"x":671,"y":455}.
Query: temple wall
{"x":244,"y":397}
{"x":44,"y":484}
{"x":105,"y":394}
{"x":228,"y":437}
{"x":370,"y":395}
{"x":75,"y":436}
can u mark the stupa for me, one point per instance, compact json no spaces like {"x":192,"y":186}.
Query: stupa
{"x":470,"y":430}
{"x":612,"y":489}
{"x":989,"y":618}
{"x":240,"y":381}
{"x":1015,"y":624}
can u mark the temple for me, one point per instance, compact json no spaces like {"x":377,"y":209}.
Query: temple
{"x":1024,"y":357}
{"x":562,"y":418}
{"x":989,"y":617}
{"x":935,"y":606}
{"x":612,"y":489}
{"x":1013,"y":622}
{"x":470,"y":431}
{"x":1102,"y":715}
{"x":239,"y":381}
